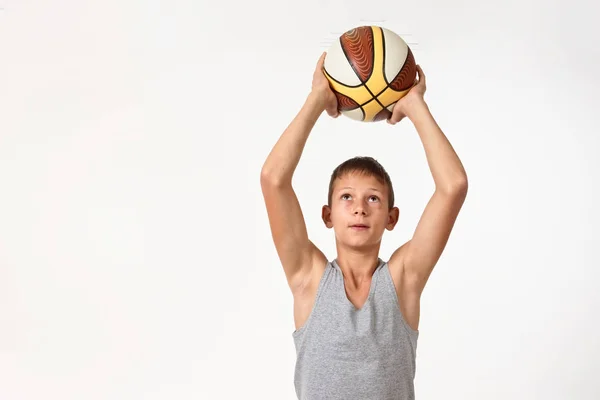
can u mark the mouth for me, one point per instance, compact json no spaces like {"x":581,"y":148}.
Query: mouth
{"x":359,"y":227}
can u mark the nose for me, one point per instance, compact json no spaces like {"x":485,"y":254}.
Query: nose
{"x":359,"y":210}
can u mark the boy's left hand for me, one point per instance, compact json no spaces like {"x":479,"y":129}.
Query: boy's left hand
{"x":414,"y":97}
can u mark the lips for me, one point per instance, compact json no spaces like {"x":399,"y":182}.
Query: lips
{"x":359,"y":227}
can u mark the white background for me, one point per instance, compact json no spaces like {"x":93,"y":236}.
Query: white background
{"x":135,"y":256}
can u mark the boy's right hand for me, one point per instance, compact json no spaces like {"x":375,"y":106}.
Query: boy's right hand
{"x":322,"y":91}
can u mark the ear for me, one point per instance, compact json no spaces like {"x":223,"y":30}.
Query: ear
{"x":326,"y":216}
{"x":393,"y":217}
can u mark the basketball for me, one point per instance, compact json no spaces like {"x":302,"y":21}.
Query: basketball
{"x":369,"y":69}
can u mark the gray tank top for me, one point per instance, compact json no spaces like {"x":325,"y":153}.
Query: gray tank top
{"x":355,"y":354}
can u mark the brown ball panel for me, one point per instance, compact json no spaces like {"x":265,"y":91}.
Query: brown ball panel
{"x":358,"y":46}
{"x":407,"y":75}
{"x":345,"y":103}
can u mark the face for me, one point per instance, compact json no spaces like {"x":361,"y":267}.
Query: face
{"x":359,"y":211}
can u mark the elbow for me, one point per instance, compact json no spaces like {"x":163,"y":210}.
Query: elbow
{"x":462,"y":184}
{"x":266,"y":176}
{"x":270,"y":178}
{"x":458,"y":187}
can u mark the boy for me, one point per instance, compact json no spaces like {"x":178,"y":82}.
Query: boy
{"x":357,"y":316}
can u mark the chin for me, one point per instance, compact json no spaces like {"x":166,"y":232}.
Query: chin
{"x":359,"y":243}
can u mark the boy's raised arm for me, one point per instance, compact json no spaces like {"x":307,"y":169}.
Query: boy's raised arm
{"x":296,"y":252}
{"x":421,"y":253}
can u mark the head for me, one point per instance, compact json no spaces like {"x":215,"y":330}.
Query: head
{"x":360,"y":204}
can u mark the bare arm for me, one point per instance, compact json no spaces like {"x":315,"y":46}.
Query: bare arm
{"x":288,"y":228}
{"x":283,"y":159}
{"x":421,"y":253}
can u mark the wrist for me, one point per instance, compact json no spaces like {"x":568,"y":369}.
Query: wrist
{"x":416,"y":108}
{"x":315,"y":102}
{"x":317,"y":98}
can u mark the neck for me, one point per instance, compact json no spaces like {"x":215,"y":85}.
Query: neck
{"x":358,"y":263}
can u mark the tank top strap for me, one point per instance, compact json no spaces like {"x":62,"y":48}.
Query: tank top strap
{"x":322,"y":288}
{"x":393,"y":296}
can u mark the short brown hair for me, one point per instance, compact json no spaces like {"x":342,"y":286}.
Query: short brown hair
{"x":365,"y":165}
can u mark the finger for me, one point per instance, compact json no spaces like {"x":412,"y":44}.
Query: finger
{"x":334,"y":113}
{"x":421,"y":73}
{"x":321,"y":60}
{"x":396,"y":118}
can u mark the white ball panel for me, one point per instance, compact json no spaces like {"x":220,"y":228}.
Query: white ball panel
{"x":355,"y":114}
{"x":337,"y":65}
{"x":396,"y":51}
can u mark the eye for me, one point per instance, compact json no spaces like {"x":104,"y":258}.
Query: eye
{"x":345,"y":196}
{"x":374,"y":198}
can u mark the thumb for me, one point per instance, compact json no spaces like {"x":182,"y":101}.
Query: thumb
{"x":321,"y":60}
{"x":395,"y":118}
{"x":333,"y":112}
